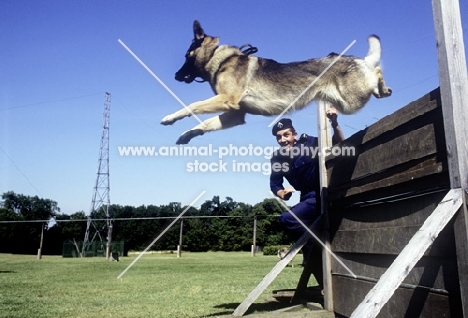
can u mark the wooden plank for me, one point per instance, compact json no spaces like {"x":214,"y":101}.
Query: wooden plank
{"x":374,"y":241}
{"x":400,"y":191}
{"x":454,"y":89}
{"x":390,"y":241}
{"x":407,"y":212}
{"x":270,"y":277}
{"x":325,"y":140}
{"x":300,"y":314}
{"x":392,"y":146}
{"x":461,"y":239}
{"x":385,"y":154}
{"x":389,"y":282}
{"x":404,"y":173}
{"x":432,"y":272}
{"x":405,"y":302}
{"x":421,"y":107}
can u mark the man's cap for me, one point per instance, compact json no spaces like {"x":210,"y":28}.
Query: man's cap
{"x":284,"y":123}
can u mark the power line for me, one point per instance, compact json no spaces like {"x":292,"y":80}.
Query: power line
{"x":145,"y":218}
{"x":48,"y":102}
{"x":416,"y":83}
{"x":17,"y":168}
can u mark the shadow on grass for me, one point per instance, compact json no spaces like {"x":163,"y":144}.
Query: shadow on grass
{"x":279,"y":300}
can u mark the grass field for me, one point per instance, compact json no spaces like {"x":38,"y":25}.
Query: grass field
{"x":157,"y":285}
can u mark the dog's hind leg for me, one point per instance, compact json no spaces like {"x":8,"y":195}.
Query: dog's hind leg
{"x":223,"y":121}
{"x":216,"y":104}
{"x":381,"y":90}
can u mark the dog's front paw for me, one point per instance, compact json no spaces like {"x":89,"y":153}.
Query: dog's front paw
{"x":387,"y":92}
{"x":168,"y":120}
{"x":382,"y":92}
{"x":188,"y":135}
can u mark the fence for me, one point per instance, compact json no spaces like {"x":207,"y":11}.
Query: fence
{"x":70,"y":249}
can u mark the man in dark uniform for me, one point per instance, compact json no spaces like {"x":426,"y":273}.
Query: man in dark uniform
{"x":297,"y":162}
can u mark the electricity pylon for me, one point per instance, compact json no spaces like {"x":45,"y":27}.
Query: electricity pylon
{"x":101,"y":199}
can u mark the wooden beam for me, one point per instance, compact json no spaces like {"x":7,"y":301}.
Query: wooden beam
{"x":181,"y":232}
{"x":254,"y":240}
{"x":454,"y":90}
{"x":461,"y":237}
{"x":404,"y":303}
{"x":453,"y":87}
{"x":411,"y":254}
{"x":325,"y":140}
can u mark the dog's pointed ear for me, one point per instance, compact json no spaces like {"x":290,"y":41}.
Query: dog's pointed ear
{"x":198,"y":32}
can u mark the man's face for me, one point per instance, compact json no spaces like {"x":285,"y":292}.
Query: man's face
{"x":286,"y":138}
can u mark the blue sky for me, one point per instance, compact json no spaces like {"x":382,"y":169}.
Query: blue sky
{"x":58,"y":58}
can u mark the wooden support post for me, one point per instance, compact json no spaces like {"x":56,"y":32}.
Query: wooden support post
{"x":39,"y":251}
{"x":461,"y":239}
{"x":179,"y":247}
{"x":453,"y":88}
{"x":325,"y":140}
{"x":109,"y":242}
{"x":270,"y":277}
{"x":411,"y":254}
{"x":78,"y":250}
{"x":301,"y":288}
{"x":254,"y":240}
{"x":454,"y":91}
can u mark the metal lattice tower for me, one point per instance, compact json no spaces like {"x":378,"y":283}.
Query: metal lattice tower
{"x":101,"y":200}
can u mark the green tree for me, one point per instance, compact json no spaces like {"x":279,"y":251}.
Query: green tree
{"x":72,"y":229}
{"x":269,"y":231}
{"x":25,"y":237}
{"x":9,"y":232}
{"x":30,"y":208}
{"x":124,"y":230}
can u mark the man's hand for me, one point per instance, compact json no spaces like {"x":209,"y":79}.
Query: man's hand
{"x":332,"y":114}
{"x":338,"y":135}
{"x":285,"y":194}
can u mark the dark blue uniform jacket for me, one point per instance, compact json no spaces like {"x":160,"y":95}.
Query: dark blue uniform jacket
{"x":301,"y":170}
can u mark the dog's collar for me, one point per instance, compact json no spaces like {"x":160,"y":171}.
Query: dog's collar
{"x":246,"y":49}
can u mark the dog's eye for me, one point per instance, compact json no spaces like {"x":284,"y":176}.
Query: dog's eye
{"x":195,"y":44}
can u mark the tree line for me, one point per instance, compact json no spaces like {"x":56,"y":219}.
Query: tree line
{"x":216,"y":226}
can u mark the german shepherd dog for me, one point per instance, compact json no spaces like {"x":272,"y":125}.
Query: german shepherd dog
{"x":246,"y":84}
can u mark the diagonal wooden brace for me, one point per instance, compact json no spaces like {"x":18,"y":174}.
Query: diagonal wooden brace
{"x":270,"y":277}
{"x":409,"y":256}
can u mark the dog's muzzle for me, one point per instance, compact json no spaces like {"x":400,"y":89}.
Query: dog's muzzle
{"x":185,"y":74}
{"x":184,"y":78}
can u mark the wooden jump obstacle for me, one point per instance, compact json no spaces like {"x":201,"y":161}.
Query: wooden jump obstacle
{"x":397,"y":211}
{"x":387,"y":206}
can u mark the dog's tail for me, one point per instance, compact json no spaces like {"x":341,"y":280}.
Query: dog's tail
{"x":373,"y":56}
